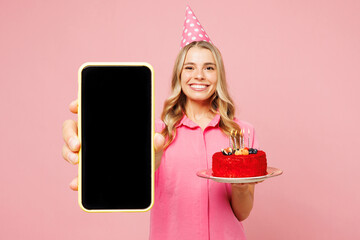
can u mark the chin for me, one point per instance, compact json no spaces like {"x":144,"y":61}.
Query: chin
{"x":199,"y":98}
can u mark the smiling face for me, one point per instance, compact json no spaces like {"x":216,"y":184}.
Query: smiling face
{"x":199,"y":75}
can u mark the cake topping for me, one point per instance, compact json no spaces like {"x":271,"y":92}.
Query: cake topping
{"x":244,"y":151}
{"x":253,"y":150}
{"x":227,"y":151}
{"x":236,"y":144}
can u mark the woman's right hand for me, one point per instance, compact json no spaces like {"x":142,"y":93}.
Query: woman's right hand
{"x":70,"y":150}
{"x":71,"y":147}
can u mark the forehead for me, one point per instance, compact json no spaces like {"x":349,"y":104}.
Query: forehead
{"x":199,"y":56}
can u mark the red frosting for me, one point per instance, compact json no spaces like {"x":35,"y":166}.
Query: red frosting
{"x":235,"y":166}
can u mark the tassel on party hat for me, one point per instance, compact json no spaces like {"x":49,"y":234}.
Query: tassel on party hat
{"x":193,"y":31}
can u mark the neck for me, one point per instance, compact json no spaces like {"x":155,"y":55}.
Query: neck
{"x":197,"y":111}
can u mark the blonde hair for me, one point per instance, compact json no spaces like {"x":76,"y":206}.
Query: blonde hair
{"x":220,"y":102}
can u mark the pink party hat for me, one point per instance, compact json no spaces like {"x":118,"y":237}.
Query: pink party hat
{"x":193,"y":31}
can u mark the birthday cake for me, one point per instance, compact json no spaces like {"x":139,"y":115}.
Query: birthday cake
{"x":239,"y":161}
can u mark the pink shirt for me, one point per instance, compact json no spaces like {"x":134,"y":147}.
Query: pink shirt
{"x":187,"y":206}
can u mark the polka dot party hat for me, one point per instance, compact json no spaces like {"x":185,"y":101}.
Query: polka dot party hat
{"x":192,"y":31}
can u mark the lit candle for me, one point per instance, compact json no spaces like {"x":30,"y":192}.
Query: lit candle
{"x":237,"y":139}
{"x":248,"y":137}
{"x":242,"y":138}
{"x":232,"y":142}
{"x":230,"y":138}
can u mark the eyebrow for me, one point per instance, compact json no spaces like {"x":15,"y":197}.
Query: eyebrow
{"x":207,"y":63}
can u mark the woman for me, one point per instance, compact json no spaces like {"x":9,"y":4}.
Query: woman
{"x":196,"y":121}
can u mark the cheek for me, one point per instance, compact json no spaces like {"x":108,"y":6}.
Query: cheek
{"x":182,"y":82}
{"x":213,"y":79}
{"x":183,"y":85}
{"x":184,"y":78}
{"x":214,"y":86}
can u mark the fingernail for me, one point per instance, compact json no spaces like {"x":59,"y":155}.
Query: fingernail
{"x":74,"y":143}
{"x":73,"y":158}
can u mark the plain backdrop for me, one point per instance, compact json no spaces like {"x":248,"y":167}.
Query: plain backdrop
{"x":293,"y":69}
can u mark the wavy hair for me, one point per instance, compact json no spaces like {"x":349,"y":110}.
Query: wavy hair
{"x":220,"y":102}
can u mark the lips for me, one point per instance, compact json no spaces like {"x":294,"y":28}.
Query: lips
{"x":198,"y":87}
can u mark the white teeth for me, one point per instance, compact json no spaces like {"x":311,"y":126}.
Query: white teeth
{"x":198,"y":86}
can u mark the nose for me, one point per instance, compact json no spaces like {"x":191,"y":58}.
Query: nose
{"x":199,"y":74}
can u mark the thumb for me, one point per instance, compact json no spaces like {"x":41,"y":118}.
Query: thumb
{"x":159,"y":142}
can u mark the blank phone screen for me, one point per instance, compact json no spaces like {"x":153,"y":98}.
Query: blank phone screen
{"x":116,"y":136}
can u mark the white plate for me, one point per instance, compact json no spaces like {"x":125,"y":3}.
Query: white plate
{"x":271,"y":172}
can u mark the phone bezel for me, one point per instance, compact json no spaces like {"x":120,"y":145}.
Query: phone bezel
{"x":112,"y":64}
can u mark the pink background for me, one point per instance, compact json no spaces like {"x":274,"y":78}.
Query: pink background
{"x":294,"y":71}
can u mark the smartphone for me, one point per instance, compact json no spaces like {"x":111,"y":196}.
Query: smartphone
{"x":116,"y":128}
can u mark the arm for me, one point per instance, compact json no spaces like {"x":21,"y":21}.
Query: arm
{"x":242,"y":199}
{"x":159,"y":141}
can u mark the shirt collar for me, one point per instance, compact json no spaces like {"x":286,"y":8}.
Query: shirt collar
{"x":187,"y":122}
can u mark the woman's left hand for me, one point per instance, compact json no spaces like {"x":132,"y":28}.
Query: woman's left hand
{"x":243,"y":186}
{"x":242,"y":199}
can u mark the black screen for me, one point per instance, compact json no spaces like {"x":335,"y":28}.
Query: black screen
{"x":116,"y":135}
